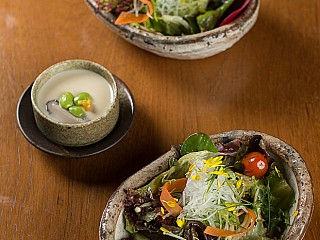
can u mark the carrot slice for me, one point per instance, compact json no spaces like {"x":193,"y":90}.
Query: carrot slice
{"x":149,"y":4}
{"x":178,"y":185}
{"x":218,"y":232}
{"x":168,"y":202}
{"x":126,"y":17}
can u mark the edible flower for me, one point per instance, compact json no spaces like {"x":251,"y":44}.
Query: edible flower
{"x":181,"y":222}
{"x":239,"y":183}
{"x":196,"y":177}
{"x":212,"y":162}
{"x":277,"y":171}
{"x":230,"y":206}
{"x":86,"y":103}
{"x":162,"y":210}
{"x":221,"y":172}
{"x":295,"y":213}
{"x":164,"y":230}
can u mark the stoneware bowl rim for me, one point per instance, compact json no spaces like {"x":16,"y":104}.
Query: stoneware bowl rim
{"x":77,"y":62}
{"x":186,"y":47}
{"x":294,"y":161}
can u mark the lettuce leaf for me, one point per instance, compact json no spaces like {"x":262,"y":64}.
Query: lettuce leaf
{"x":280,"y":199}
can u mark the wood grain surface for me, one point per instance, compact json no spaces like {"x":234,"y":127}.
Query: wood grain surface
{"x":269,"y":81}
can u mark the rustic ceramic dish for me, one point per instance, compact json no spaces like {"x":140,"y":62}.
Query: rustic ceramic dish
{"x":195,"y":46}
{"x":78,"y":134}
{"x":296,"y":173}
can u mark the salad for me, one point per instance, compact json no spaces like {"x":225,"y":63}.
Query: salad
{"x":174,"y":17}
{"x":230,"y":190}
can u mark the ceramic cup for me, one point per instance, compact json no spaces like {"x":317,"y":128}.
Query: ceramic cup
{"x":76,"y":134}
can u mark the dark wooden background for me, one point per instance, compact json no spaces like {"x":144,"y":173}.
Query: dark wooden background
{"x":269,"y":81}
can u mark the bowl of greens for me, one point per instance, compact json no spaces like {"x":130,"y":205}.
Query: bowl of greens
{"x":232,"y":185}
{"x":182,"y":29}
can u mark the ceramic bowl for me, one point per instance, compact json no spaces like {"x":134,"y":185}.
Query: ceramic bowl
{"x":75,"y":134}
{"x":296,"y":173}
{"x":195,"y":46}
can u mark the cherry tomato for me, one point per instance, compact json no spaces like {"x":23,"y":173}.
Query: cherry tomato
{"x":255,"y":164}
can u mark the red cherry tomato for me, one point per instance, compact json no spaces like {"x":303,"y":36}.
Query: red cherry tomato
{"x":255,"y":164}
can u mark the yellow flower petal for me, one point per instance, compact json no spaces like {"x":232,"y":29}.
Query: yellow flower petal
{"x":180,"y":222}
{"x":230,"y":207}
{"x":196,"y":177}
{"x":239,"y":183}
{"x":191,"y":168}
{"x":171,"y":203}
{"x":162,"y":210}
{"x":213,"y":162}
{"x":164,"y":230}
{"x":220,"y":173}
{"x":277,"y":171}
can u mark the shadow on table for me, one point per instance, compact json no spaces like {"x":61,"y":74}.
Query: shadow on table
{"x":134,"y":151}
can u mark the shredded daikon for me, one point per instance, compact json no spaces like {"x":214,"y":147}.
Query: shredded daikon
{"x":212,"y":194}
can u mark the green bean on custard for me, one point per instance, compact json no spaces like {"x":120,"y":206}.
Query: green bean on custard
{"x":83,"y":99}
{"x":76,"y":104}
{"x":66,"y":100}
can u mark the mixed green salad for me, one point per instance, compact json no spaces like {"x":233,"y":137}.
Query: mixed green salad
{"x":230,"y":190}
{"x":174,"y":17}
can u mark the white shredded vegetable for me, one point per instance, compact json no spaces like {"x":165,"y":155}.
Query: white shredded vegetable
{"x":213,"y":193}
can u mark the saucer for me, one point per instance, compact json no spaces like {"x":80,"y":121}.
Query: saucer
{"x":31,"y":132}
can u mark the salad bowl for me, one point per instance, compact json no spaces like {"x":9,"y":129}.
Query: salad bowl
{"x":186,"y":47}
{"x":295,"y":172}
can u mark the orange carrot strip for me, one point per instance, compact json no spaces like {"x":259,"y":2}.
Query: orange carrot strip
{"x":126,"y":17}
{"x":177,"y":185}
{"x":168,"y":202}
{"x":253,"y":219}
{"x":147,"y":2}
{"x":218,"y":232}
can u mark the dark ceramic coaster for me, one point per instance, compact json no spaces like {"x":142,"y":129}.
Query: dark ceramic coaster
{"x":31,"y":132}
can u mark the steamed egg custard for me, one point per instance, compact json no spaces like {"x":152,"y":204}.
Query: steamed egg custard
{"x":76,"y":83}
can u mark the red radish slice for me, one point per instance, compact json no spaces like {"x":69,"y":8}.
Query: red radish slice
{"x":234,"y":14}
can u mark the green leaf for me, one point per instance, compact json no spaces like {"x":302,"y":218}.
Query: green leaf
{"x":281,"y":191}
{"x":276,"y":203}
{"x":197,"y":142}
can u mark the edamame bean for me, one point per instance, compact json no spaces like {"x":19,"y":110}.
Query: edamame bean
{"x":76,"y":111}
{"x":83,"y":99}
{"x":66,"y":100}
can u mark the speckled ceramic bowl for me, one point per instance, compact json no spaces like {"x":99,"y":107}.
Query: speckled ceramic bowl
{"x":75,"y":134}
{"x":195,"y":46}
{"x":296,"y":173}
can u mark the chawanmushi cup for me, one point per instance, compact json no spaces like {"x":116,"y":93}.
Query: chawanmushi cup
{"x":75,"y":134}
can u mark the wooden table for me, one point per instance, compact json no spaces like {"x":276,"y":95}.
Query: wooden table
{"x":269,"y":81}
